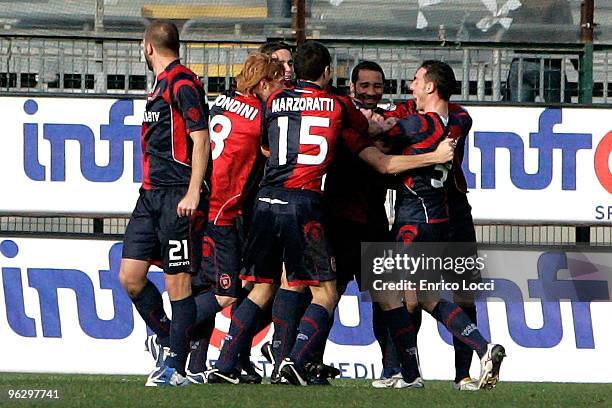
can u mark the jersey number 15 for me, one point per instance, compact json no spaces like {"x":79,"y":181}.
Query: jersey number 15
{"x":306,"y":138}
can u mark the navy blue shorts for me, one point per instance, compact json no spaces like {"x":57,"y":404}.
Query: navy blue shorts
{"x":155,"y":233}
{"x":345,"y":237}
{"x":221,"y":261}
{"x":408,"y":232}
{"x":462,"y":231}
{"x":287,"y":227}
{"x":460,"y":217}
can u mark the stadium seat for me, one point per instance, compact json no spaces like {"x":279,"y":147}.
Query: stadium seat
{"x":190,"y":11}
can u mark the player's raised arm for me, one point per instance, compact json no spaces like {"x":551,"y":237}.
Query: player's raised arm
{"x":195,"y":113}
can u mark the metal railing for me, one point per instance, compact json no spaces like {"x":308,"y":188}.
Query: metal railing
{"x":115,"y":66}
{"x":114,"y":228}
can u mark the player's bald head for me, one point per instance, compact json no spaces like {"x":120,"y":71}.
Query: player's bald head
{"x":164,"y":36}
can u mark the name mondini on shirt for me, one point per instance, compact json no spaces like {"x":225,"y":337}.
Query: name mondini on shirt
{"x":235,"y":106}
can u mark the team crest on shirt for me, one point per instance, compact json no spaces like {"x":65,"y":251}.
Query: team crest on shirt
{"x":225,"y":281}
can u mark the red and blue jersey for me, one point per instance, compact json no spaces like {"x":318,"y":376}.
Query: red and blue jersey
{"x":353,"y":189}
{"x":459,"y":125}
{"x":176,"y":107}
{"x":235,"y":133}
{"x":301,"y":127}
{"x":422,"y":190}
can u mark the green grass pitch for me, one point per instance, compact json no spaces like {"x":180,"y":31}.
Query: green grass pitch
{"x":129,"y":391}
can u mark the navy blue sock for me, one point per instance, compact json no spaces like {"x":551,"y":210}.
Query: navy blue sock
{"x":207,"y":306}
{"x":460,"y":325}
{"x":390,"y":359}
{"x":183,"y":319}
{"x":312,"y":333}
{"x":200,"y":336}
{"x":320,"y":351}
{"x":417,"y":317}
{"x":150,"y":307}
{"x":243,"y":322}
{"x":286,"y":314}
{"x":264,"y":320}
{"x":463,"y":353}
{"x":403,"y":333}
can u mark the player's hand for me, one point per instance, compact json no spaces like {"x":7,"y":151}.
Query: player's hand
{"x":445,"y":150}
{"x":366,"y":112}
{"x":388,"y":123}
{"x":188,"y":204}
{"x":374,"y":128}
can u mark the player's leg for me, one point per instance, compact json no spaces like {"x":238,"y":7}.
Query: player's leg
{"x":308,"y":262}
{"x":200,"y":342}
{"x":312,"y":332}
{"x":140,"y":247}
{"x":248,"y":374}
{"x":218,"y":272}
{"x":244,"y":320}
{"x":460,"y":325}
{"x":289,"y":306}
{"x":377,"y":230}
{"x":397,"y":309}
{"x":146,"y":297}
{"x":181,"y":240}
{"x":345,"y":237}
{"x":263,"y":268}
{"x":462,"y":238}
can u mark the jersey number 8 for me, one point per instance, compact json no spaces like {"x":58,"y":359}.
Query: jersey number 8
{"x":218,"y":136}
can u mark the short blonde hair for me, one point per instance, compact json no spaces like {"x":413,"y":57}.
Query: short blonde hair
{"x":257,"y":67}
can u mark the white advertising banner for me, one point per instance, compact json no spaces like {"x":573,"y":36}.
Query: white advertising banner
{"x":82,"y":156}
{"x":540,"y":164}
{"x":70,"y":155}
{"x":62,"y":309}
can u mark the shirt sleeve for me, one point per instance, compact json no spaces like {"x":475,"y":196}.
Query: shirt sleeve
{"x":354,"y":141}
{"x":352,"y":117}
{"x":461,"y":118}
{"x":401,"y":110}
{"x":192,"y":105}
{"x":420,"y":132}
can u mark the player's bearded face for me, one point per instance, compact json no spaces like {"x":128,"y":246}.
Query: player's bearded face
{"x":369,"y":88}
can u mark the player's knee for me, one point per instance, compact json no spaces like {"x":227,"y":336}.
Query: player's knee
{"x":464,"y":299}
{"x":178,"y":286}
{"x":261,"y":294}
{"x":325,"y":295}
{"x":133,"y":276}
{"x":225,"y":301}
{"x":411,"y":306}
{"x":131,"y":282}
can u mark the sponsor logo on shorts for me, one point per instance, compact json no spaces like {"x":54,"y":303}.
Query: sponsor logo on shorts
{"x":180,"y":263}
